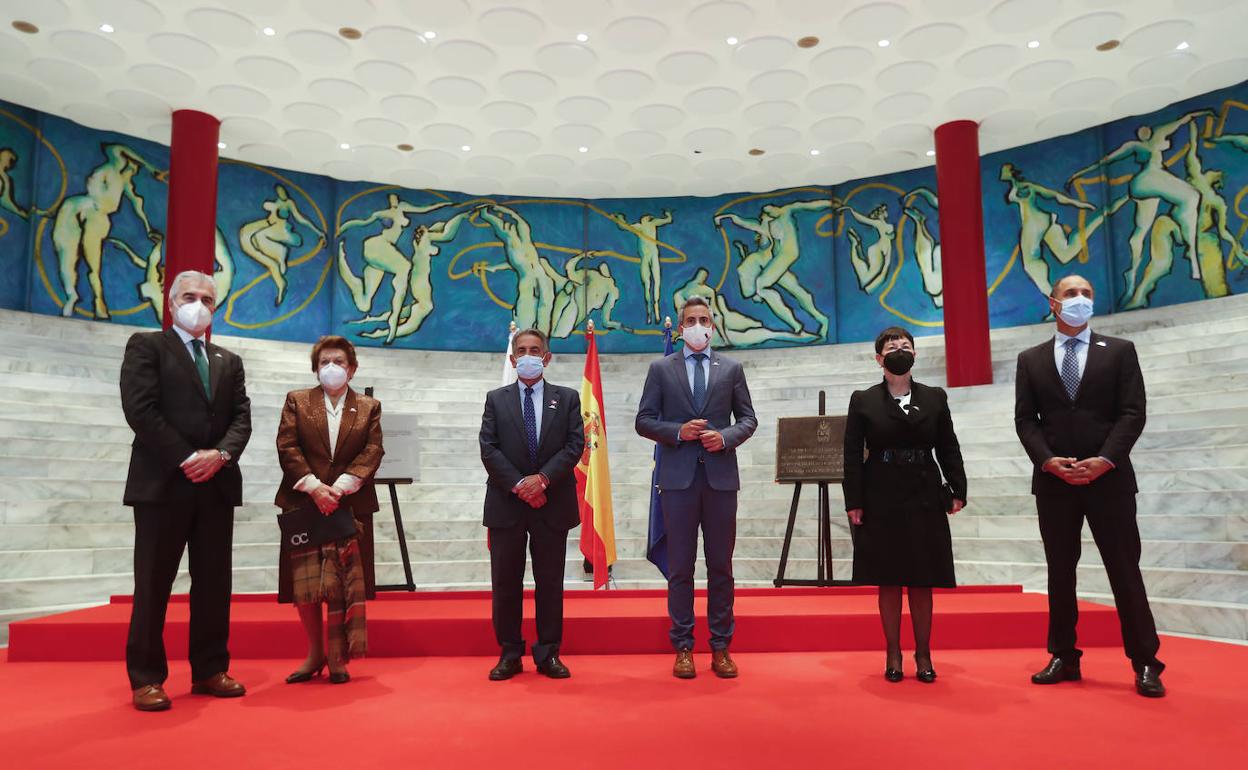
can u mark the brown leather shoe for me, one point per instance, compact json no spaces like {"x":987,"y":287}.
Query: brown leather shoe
{"x":151,"y":697}
{"x":684,"y":668}
{"x":221,"y":685}
{"x":723,"y":665}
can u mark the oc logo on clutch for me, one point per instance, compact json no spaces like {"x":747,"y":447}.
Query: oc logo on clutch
{"x":299,"y":539}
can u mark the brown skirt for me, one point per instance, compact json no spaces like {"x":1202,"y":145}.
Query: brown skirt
{"x":333,"y":574}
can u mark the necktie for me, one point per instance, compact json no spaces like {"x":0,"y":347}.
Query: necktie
{"x":699,"y":381}
{"x":530,"y":425}
{"x":201,"y":363}
{"x":1070,"y":368}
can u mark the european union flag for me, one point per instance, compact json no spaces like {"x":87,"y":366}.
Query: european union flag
{"x":656,"y":538}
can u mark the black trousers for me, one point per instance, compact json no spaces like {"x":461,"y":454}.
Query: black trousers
{"x":1111,"y":517}
{"x":548,"y":546}
{"x":205,"y":524}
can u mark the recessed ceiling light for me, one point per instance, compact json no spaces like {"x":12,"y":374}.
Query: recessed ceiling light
{"x":931,"y":153}
{"x":883,"y":43}
{"x":344,"y":146}
{"x":814,"y":152}
{"x":269,"y":31}
{"x":582,"y":149}
{"x":582,"y":38}
{"x":430,"y":35}
{"x":25,"y":26}
{"x":1182,"y":46}
{"x":757,"y":151}
{"x":1033,"y":44}
{"x":109,"y":28}
{"x":731,"y":40}
{"x":221,"y":145}
{"x":466,"y":147}
{"x":1109,"y":45}
{"x":810,"y":41}
{"x":349,"y":33}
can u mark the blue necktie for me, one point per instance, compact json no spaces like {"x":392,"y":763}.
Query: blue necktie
{"x":530,"y":425}
{"x":1070,"y":368}
{"x":699,"y":381}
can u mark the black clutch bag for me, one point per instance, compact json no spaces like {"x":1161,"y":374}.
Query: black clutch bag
{"x":307,"y":526}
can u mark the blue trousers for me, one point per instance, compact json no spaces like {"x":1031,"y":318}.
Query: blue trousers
{"x":715,"y":511}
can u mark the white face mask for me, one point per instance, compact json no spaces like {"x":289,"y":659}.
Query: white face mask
{"x":529,"y":367}
{"x":332,"y":376}
{"x":696,"y":337}
{"x":194,"y":317}
{"x":1076,"y":311}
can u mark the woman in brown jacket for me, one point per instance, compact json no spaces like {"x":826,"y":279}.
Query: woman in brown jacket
{"x":329,"y":447}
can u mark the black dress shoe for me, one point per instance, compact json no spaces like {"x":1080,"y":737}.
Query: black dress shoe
{"x":339,"y":677}
{"x":1148,"y":682}
{"x":924,"y":675}
{"x":306,"y":675}
{"x":554,"y":668}
{"x":894,"y":674}
{"x":1058,"y":670}
{"x":506,"y":669}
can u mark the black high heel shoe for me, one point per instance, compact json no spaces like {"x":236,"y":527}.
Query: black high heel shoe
{"x":303,"y":675}
{"x":890,"y":673}
{"x":339,"y":677}
{"x":924,"y":675}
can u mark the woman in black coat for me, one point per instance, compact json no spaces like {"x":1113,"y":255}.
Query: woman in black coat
{"x":896,"y":498}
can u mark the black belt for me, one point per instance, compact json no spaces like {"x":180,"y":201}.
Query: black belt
{"x":901,"y":456}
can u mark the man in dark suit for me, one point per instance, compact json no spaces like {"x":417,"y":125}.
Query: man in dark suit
{"x":186,"y":401}
{"x":532,"y":435}
{"x":687,"y":405}
{"x":1079,"y":408}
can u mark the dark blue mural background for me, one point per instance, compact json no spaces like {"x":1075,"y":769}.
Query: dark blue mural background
{"x":300,"y":255}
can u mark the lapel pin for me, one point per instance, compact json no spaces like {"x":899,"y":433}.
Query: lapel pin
{"x":714,"y":363}
{"x":352,"y":409}
{"x":1101,"y":343}
{"x":218,"y":355}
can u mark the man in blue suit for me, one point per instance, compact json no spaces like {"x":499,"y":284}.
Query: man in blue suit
{"x":688,"y":406}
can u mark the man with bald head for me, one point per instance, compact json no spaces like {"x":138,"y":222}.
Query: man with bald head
{"x":1079,"y":408}
{"x":187,"y":403}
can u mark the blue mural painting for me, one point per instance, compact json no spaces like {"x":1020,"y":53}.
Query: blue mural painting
{"x":1149,"y":208}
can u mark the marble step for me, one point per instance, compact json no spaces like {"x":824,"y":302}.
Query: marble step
{"x":1224,"y":620}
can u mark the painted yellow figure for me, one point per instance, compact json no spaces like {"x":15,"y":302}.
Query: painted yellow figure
{"x":535,"y":290}
{"x":8,"y":159}
{"x":735,"y":329}
{"x":778,"y":249}
{"x":1038,"y":228}
{"x":269,"y":240}
{"x":871,"y":265}
{"x":426,"y":241}
{"x":382,"y":257}
{"x":926,"y":247}
{"x":151,"y":288}
{"x":1213,"y":231}
{"x":647,"y":231}
{"x":1151,"y":185}
{"x":580,"y":291}
{"x":83,"y":221}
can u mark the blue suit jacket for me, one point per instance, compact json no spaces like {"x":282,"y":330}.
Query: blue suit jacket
{"x":667,"y":403}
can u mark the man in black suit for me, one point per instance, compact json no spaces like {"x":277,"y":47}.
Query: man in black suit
{"x":532,"y":435}
{"x":696,"y":406}
{"x":1079,"y":408}
{"x":186,"y":401}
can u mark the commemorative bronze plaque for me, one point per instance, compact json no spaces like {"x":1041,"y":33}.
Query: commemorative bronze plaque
{"x":810,"y":449}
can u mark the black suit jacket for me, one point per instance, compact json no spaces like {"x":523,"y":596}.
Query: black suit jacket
{"x":172,"y":417}
{"x":875,"y":422}
{"x":505,"y":454}
{"x":1104,"y":419}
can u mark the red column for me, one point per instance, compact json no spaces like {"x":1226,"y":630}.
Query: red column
{"x":968,"y":352}
{"x":192,"y":211}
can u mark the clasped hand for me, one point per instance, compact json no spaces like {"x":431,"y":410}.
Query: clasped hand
{"x":1077,"y":472}
{"x":202,"y":466}
{"x":326,"y":498}
{"x":695,"y":430}
{"x":532,"y":490}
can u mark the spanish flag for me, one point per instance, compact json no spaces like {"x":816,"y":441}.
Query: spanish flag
{"x":593,"y":477}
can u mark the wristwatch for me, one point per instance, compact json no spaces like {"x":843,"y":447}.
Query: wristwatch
{"x":225,"y":456}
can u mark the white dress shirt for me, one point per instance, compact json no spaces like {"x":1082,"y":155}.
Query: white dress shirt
{"x":1081,"y":350}
{"x":345,"y":482}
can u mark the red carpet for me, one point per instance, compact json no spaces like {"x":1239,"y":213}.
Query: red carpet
{"x":400,"y":625}
{"x":788,"y":711}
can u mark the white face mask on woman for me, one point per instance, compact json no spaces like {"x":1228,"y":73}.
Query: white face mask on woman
{"x":194,"y":317}
{"x":332,"y":376}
